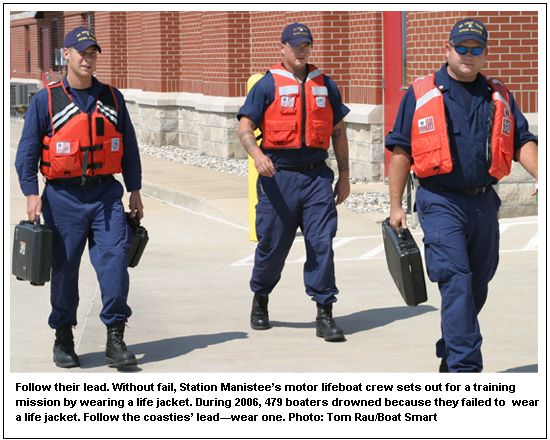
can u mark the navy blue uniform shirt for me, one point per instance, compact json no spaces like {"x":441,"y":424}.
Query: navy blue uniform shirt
{"x":38,"y":124}
{"x":467,"y":130}
{"x":262,"y":96}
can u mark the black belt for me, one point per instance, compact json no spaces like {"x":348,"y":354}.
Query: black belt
{"x":87,"y":185}
{"x":303,"y":168}
{"x":470,"y":192}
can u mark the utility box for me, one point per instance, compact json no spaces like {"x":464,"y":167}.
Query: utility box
{"x":20,"y":96}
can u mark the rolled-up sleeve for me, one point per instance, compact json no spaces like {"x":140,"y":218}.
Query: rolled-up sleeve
{"x":522,"y":135}
{"x":339,"y":110}
{"x":401,"y":132}
{"x":259,"y":98}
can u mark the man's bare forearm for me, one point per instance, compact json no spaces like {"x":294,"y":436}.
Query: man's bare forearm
{"x":398,"y":175}
{"x":340,"y":145}
{"x":246,"y":134}
{"x":528,"y":157}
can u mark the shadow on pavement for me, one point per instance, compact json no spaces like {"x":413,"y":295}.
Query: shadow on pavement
{"x":366,"y":319}
{"x":156,"y":351}
{"x":533,"y":368}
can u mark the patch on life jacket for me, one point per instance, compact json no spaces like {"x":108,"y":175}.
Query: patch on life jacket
{"x":287,"y":101}
{"x":321,"y":101}
{"x":426,"y":125}
{"x":506,"y":127}
{"x":63,"y":148}
{"x":115,"y":144}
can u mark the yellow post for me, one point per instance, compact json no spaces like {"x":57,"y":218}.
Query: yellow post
{"x":252,"y":172}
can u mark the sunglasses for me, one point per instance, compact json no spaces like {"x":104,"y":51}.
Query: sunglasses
{"x":305,"y":49}
{"x":461,"y":50}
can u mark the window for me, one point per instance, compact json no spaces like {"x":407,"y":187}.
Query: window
{"x":55,"y":44}
{"x":87,"y":20}
{"x":28,"y":47}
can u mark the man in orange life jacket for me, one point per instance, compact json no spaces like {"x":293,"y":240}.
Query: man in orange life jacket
{"x":299,"y":110}
{"x":444,"y":133}
{"x":80,"y":134}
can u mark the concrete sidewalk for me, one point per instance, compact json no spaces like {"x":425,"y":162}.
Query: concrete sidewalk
{"x":191,"y":300}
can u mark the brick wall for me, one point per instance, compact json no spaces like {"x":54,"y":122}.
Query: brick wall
{"x":333,"y":52}
{"x":365,"y":63}
{"x":65,"y":22}
{"x":193,"y":56}
{"x":214,"y":53}
{"x":135,"y":49}
{"x":223,"y":52}
{"x":18,"y":59}
{"x":113,"y":65}
{"x":184,"y":73}
{"x":513,"y":48}
{"x":18,"y":62}
{"x":152,"y":56}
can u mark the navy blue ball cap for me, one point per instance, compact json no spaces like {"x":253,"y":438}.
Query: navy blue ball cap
{"x":296,"y":34}
{"x":81,"y":39}
{"x":469,"y":29}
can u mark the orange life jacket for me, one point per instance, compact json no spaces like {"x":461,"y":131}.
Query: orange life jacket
{"x":296,"y":108}
{"x":429,"y":139}
{"x":500,"y":135}
{"x":81,"y":144}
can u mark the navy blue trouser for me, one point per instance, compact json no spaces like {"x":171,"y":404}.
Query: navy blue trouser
{"x":95,"y":216}
{"x":461,"y":238}
{"x":286,"y":202}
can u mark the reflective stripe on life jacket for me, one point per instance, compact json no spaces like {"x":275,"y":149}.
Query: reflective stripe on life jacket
{"x":81,"y":144}
{"x":429,"y":138}
{"x":285,"y":119}
{"x":429,"y":141}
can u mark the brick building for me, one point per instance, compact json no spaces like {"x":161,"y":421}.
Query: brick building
{"x":184,"y":73}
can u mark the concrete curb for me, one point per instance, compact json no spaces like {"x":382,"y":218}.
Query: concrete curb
{"x":195,"y":204}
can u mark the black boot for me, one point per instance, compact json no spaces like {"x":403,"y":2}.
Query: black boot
{"x":64,"y":355}
{"x":259,"y":318}
{"x":116,"y":352}
{"x":326,"y":327}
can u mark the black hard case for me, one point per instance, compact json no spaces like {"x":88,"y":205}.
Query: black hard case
{"x":405,"y":264}
{"x":32,"y":252}
{"x":140,"y":237}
